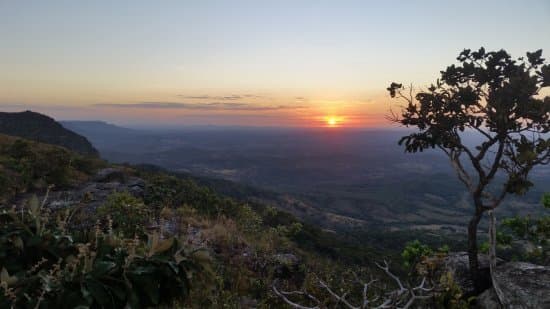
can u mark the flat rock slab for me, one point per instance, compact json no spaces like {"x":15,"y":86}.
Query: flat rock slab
{"x":458,"y":264}
{"x":523,"y":285}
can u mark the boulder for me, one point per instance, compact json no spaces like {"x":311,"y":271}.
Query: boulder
{"x":488,"y":300}
{"x":523,"y":246}
{"x":287,"y":265}
{"x":94,"y":193}
{"x":110,"y":175}
{"x":287,"y":259}
{"x":458,"y":264}
{"x":523,"y":285}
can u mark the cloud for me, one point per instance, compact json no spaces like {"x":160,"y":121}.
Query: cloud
{"x":236,"y":106}
{"x":231,"y":97}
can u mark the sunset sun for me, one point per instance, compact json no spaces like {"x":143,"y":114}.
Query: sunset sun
{"x":333,"y":121}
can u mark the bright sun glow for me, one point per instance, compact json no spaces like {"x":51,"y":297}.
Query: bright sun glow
{"x":333,"y":121}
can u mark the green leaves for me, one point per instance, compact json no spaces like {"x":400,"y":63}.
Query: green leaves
{"x":68,"y":271}
{"x":6,"y":279}
{"x":544,"y":74}
{"x":128,"y":213}
{"x":526,"y":230}
{"x":393,"y":88}
{"x":494,"y":96}
{"x":535,"y":58}
{"x":413,"y":252}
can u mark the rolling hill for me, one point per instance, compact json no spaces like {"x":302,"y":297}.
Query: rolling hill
{"x":41,"y":128}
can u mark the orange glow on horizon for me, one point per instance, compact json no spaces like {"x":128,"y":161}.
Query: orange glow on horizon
{"x":333,"y":121}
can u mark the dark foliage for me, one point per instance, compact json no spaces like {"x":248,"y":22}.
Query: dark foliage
{"x":497,"y":98}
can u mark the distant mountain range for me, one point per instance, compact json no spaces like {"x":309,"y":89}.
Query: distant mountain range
{"x":41,"y":128}
{"x":333,"y":178}
{"x":105,"y":136}
{"x":96,"y":126}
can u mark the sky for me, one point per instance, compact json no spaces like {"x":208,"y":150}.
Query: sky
{"x":254,"y":63}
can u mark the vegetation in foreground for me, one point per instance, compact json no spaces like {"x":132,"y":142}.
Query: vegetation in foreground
{"x":177,"y":244}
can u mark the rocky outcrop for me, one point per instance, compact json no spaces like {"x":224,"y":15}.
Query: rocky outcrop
{"x":488,"y":300}
{"x":94,"y":193}
{"x":109,"y":175}
{"x":523,"y":285}
{"x":458,"y":264}
{"x":286,"y":265}
{"x":516,"y":285}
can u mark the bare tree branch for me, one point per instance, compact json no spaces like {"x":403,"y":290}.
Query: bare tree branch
{"x":283,"y":295}
{"x":402,"y":297}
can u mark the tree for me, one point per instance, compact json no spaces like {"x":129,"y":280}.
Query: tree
{"x":497,"y":99}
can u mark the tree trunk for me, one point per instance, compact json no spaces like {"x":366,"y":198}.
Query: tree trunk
{"x":493,"y":254}
{"x":472,"y":250}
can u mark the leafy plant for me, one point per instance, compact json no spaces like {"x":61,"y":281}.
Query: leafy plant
{"x":413,"y":253}
{"x":127,"y":213}
{"x":45,"y":266}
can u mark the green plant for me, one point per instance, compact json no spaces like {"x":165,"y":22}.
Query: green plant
{"x":413,"y":253}
{"x":26,"y":166}
{"x":127,"y":213}
{"x":45,"y":266}
{"x":533,"y":231}
{"x":484,"y":247}
{"x":449,"y":294}
{"x":249,"y":220}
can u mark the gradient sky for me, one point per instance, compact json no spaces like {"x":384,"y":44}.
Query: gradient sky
{"x":276,"y":63}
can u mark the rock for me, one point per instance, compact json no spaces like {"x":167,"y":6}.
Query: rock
{"x":62,"y":199}
{"x":109,"y":175}
{"x":286,"y":265}
{"x":287,"y":259}
{"x":488,"y":300}
{"x":523,"y":246}
{"x":458,"y":264}
{"x":247,"y":302}
{"x":523,"y":285}
{"x":95,"y":193}
{"x":136,"y":186}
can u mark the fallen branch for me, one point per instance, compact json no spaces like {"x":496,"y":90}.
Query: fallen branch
{"x":403,"y":297}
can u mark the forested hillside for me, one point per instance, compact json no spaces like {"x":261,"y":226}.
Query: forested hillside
{"x":38,"y":127}
{"x":71,"y":227}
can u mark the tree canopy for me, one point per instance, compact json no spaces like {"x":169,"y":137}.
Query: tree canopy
{"x":496,"y":97}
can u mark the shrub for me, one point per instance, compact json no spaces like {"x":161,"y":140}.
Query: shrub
{"x":413,"y":253}
{"x":127,"y":213}
{"x":43,"y":266}
{"x":249,"y":220}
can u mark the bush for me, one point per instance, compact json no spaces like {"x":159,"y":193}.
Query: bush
{"x":413,"y":253}
{"x":44,"y":266}
{"x":127,"y":213}
{"x":27,"y":165}
{"x":249,"y":220}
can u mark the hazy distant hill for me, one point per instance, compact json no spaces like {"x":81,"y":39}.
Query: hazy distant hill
{"x":97,"y":127}
{"x":38,"y":127}
{"x":329,"y":177}
{"x":104,"y":136}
